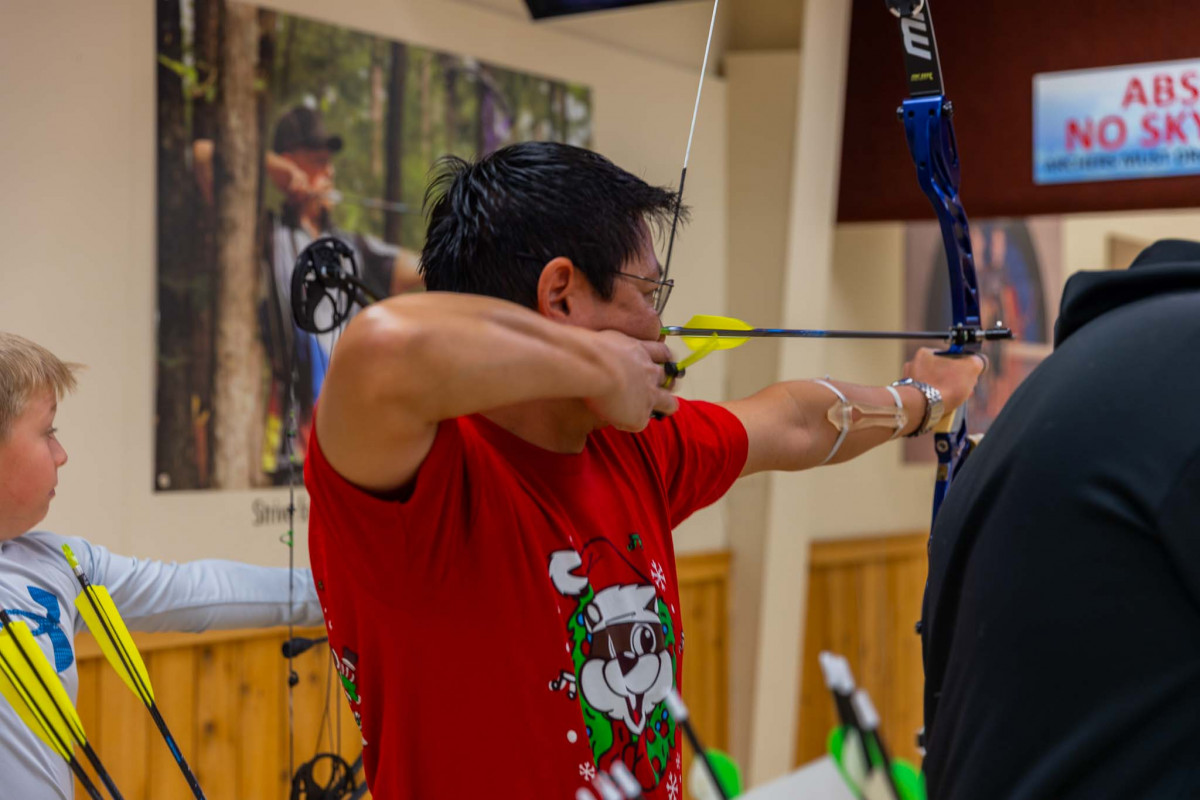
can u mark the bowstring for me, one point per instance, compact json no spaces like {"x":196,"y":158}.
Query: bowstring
{"x":687,"y":153}
{"x":324,"y":726}
{"x":291,"y":430}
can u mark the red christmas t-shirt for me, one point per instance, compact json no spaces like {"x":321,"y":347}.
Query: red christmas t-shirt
{"x":514,"y":623}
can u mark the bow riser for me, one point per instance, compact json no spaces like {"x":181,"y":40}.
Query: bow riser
{"x":930,"y":133}
{"x":929,"y":129}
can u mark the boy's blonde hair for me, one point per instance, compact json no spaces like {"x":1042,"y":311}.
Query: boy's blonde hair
{"x":26,"y":367}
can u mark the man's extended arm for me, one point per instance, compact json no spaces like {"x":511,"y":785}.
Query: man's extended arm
{"x":788,"y":427}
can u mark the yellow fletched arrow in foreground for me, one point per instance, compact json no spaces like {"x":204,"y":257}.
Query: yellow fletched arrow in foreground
{"x":723,"y":337}
{"x":100,"y":613}
{"x":702,"y":345}
{"x":38,"y":696}
{"x":30,"y":684}
{"x":105,"y":623}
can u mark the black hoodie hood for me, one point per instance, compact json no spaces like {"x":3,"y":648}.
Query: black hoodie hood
{"x":1165,"y":267}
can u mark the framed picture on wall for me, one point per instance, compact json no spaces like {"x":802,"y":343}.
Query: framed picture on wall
{"x":274,"y":130}
{"x":1018,"y":264}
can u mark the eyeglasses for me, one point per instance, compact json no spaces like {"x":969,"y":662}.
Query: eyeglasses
{"x":661,"y":293}
{"x":658,"y":298}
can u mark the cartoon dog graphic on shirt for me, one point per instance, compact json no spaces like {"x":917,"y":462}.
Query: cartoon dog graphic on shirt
{"x":623,"y":651}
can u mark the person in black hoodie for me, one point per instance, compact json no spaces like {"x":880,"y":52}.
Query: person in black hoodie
{"x":1061,"y":626}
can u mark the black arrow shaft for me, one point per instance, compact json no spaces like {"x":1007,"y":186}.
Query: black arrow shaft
{"x":173,"y":746}
{"x":799,"y":333}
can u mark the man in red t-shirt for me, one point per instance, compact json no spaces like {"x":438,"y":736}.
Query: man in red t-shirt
{"x":492,"y":502}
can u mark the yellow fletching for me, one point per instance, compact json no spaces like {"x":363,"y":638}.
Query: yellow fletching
{"x":139,"y":686}
{"x":714,"y":321}
{"x":14,"y":696}
{"x":699,"y":352}
{"x":37,"y":708}
{"x":696,"y":343}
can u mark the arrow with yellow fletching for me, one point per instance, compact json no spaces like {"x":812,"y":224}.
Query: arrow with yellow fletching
{"x":98,"y":610}
{"x":707,"y":333}
{"x":38,"y":696}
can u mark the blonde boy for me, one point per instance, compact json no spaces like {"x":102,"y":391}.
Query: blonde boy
{"x":37,"y":586}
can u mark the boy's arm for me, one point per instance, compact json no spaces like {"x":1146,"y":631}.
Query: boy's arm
{"x":199,"y":595}
{"x":409,"y":362}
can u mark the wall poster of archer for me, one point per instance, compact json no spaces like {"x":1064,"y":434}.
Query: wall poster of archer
{"x":1018,"y":266}
{"x":274,"y":130}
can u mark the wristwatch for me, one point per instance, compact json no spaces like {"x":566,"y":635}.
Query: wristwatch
{"x":934,"y":410}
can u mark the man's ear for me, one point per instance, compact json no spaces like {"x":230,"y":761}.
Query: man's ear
{"x":561,"y":287}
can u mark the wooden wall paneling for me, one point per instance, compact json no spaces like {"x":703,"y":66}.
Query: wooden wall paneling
{"x":125,"y":726}
{"x":864,"y":599}
{"x":173,"y":676}
{"x":88,"y":705}
{"x":704,"y":597}
{"x":867,"y":659}
{"x":817,"y":715}
{"x":216,"y":696}
{"x":262,"y":703}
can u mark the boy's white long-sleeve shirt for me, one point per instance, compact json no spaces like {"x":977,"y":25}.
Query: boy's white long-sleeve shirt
{"x":38,"y":587}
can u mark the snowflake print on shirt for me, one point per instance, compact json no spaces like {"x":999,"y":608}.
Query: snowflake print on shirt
{"x":657,"y":575}
{"x":673,"y":788}
{"x":587,"y":771}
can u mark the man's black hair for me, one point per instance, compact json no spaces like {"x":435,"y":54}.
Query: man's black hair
{"x":495,"y":222}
